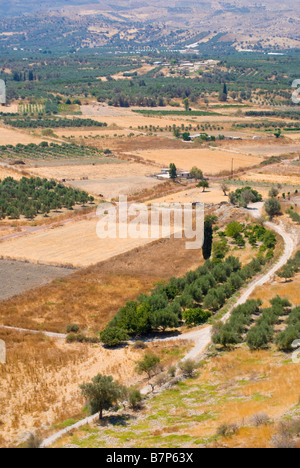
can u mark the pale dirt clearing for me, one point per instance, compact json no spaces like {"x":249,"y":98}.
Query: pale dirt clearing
{"x":112,"y":188}
{"x":75,"y":245}
{"x":110,"y":180}
{"x":209,"y":160}
{"x":140,"y":71}
{"x":13,"y":137}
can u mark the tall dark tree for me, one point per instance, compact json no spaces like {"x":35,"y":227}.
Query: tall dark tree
{"x":208,"y":238}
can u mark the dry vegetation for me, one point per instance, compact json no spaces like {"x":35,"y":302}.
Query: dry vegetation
{"x":211,"y":161}
{"x":92,"y":297}
{"x":41,"y":378}
{"x":238,"y":400}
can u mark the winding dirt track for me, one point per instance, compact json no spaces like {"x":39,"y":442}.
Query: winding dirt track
{"x":202,"y":338}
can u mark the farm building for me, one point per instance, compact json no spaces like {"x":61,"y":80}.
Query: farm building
{"x":165,"y":174}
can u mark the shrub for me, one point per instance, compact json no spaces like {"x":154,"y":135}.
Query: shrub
{"x":33,"y":442}
{"x":139,"y":345}
{"x":73,"y":328}
{"x":149,"y":365}
{"x":113,"y":336}
{"x":260,"y":419}
{"x":227,"y":430}
{"x":134,"y":399}
{"x":188,"y":368}
{"x":196,"y":316}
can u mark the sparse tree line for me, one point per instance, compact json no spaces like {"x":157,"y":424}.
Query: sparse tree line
{"x":193,"y":299}
{"x":42,"y":122}
{"x":269,"y":125}
{"x":48,"y":150}
{"x":294,"y":115}
{"x":255,"y":326}
{"x":32,"y":196}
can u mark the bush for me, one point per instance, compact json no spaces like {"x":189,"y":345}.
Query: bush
{"x":134,"y":399}
{"x":73,"y":328}
{"x":139,"y":345}
{"x":260,"y":419}
{"x":33,"y":442}
{"x":188,"y":368}
{"x":113,"y":336}
{"x":196,"y":316}
{"x":227,"y":430}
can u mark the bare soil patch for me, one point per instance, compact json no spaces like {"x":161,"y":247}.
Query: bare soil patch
{"x":18,"y":277}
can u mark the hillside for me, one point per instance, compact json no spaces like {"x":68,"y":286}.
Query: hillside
{"x":81,"y":23}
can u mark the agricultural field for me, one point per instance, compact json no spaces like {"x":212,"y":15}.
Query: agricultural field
{"x":91,"y":297}
{"x":76,"y":245}
{"x":9,"y":136}
{"x":18,"y":277}
{"x":52,"y":151}
{"x":212,"y":161}
{"x":84,"y":125}
{"x":213,"y":195}
{"x":110,"y":180}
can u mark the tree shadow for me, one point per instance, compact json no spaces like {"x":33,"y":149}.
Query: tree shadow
{"x":116,"y":420}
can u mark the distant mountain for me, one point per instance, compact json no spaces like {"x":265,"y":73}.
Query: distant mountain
{"x":86,"y":23}
{"x":21,"y":7}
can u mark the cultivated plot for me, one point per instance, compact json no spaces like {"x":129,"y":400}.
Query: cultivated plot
{"x":109,"y":180}
{"x":211,"y":161}
{"x":75,"y":245}
{"x":18,"y":277}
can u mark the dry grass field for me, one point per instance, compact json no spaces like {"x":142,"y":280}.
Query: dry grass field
{"x":110,"y":180}
{"x":264,"y":147}
{"x":8,"y":172}
{"x":211,"y":161}
{"x":39,"y":382}
{"x":9,"y":136}
{"x":91,"y":297}
{"x":289,"y":290}
{"x":76,"y":245}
